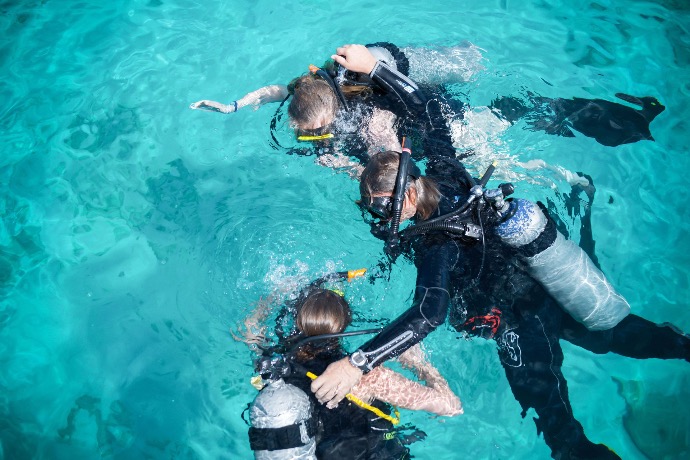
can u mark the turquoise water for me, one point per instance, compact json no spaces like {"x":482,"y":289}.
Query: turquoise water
{"x":136,"y":233}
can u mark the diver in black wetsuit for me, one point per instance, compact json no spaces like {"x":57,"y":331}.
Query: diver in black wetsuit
{"x":351,"y":431}
{"x":316,"y":108}
{"x":469,"y":269}
{"x":361,"y":103}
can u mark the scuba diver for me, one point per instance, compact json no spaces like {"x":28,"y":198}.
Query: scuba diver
{"x":286,"y":419}
{"x":503,"y":272}
{"x":363,"y":101}
{"x":359,"y":103}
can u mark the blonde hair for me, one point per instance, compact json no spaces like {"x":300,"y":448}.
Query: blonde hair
{"x":312,"y":100}
{"x":362,"y":91}
{"x":379,"y":177}
{"x":323,"y":312}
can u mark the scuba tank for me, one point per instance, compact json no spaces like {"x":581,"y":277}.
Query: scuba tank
{"x":559,"y":265}
{"x":282,"y":426}
{"x":562,"y":267}
{"x":283,"y":422}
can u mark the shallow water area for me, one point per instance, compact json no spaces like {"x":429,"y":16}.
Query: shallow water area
{"x":137,"y":233}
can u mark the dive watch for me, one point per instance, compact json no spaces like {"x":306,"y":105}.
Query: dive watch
{"x":359,"y":360}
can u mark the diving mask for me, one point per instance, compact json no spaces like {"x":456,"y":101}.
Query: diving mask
{"x":380,"y":207}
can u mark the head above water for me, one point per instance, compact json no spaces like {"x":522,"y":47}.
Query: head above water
{"x":316,"y":99}
{"x":323,"y":312}
{"x":313,"y":105}
{"x":377,"y":185}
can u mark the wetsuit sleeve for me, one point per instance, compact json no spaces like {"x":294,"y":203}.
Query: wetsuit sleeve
{"x":406,"y":90}
{"x":437,"y":139}
{"x":429,"y":308}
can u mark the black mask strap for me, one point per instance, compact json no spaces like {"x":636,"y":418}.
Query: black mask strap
{"x":334,"y":86}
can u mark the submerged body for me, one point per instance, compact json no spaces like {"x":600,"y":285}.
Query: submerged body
{"x":609,"y":123}
{"x":287,"y":420}
{"x":486,"y":291}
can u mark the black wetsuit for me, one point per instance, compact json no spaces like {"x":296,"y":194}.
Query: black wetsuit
{"x":496,"y":299}
{"x":420,"y":112}
{"x":348,"y":432}
{"x":609,"y":123}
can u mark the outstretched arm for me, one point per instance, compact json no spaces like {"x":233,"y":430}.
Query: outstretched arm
{"x":253,"y":330}
{"x":389,"y":386}
{"x":427,"y":312}
{"x":272,"y":93}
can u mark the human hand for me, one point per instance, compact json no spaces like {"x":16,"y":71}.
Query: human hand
{"x":253,"y":331}
{"x":199,"y":105}
{"x":336,"y":381}
{"x":213,"y":106}
{"x":355,"y":57}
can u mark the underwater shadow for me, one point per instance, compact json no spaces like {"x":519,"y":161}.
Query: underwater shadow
{"x":609,"y":123}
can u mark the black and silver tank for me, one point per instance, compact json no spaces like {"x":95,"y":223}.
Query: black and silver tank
{"x":562,"y":267}
{"x":282,"y":423}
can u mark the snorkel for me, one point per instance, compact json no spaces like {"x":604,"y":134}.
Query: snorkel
{"x":385,"y":207}
{"x":393,"y":239}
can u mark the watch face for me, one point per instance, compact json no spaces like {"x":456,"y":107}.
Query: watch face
{"x":358,"y":359}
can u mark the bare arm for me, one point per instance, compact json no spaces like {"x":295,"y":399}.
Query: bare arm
{"x":265,"y":95}
{"x":253,"y":330}
{"x":391,"y":387}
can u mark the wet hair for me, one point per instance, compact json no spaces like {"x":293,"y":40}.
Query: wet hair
{"x":312,"y":99}
{"x":379,"y":177}
{"x":362,"y":91}
{"x":323,"y":312}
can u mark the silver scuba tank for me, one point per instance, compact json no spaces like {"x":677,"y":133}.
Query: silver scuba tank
{"x":282,"y":427}
{"x":563,"y":269}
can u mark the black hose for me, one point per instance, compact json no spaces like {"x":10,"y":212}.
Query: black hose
{"x":334,"y":86}
{"x":399,"y":190}
{"x":332,"y":336}
{"x":454,"y":227}
{"x":447,"y":222}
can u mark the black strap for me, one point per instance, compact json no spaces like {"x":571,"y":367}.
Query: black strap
{"x":286,"y":437}
{"x":544,"y":240}
{"x":274,"y":123}
{"x":244,"y":412}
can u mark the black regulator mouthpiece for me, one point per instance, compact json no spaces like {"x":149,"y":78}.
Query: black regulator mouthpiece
{"x":464,"y":222}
